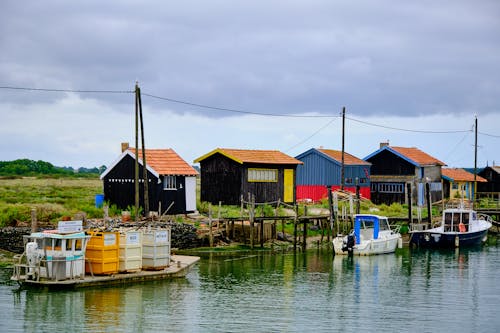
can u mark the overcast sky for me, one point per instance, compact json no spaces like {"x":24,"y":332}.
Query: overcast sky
{"x":413,"y":73}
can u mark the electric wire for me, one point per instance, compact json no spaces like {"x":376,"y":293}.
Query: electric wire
{"x":310,"y":136}
{"x":234,"y":110}
{"x":69,"y":90}
{"x":406,"y":129}
{"x":241,"y":111}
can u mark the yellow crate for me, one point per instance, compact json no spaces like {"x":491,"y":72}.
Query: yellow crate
{"x":103,"y":253}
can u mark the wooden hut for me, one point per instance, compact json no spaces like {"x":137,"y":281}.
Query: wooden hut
{"x":227,"y":174}
{"x":171,"y":181}
{"x":459,"y":183}
{"x":393,"y":168}
{"x":323,"y":167}
{"x":492,"y":187}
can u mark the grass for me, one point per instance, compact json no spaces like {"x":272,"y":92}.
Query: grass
{"x":52,"y":198}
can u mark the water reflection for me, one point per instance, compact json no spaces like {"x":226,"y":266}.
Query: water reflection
{"x":312,"y":291}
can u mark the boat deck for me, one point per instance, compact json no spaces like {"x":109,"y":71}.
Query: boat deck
{"x":179,"y":267}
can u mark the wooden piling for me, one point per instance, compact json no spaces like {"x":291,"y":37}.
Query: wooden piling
{"x":34,"y":222}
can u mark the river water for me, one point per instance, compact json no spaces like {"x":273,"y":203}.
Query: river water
{"x":411,"y":291}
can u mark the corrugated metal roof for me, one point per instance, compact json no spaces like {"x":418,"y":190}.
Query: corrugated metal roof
{"x":457,"y":174}
{"x":252,"y":156}
{"x":166,"y":162}
{"x":417,"y":155}
{"x":348,"y":158}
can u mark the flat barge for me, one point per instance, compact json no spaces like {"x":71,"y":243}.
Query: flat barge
{"x":180,"y":267}
{"x":56,"y":260}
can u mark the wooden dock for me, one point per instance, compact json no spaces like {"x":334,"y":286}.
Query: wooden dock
{"x":179,"y":267}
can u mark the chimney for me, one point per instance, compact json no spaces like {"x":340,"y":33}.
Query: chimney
{"x":384,"y":144}
{"x":124,"y":146}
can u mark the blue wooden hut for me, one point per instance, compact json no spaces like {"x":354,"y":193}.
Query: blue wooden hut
{"x":323,"y":167}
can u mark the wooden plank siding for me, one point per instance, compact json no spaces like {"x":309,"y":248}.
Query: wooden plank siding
{"x":225,"y":180}
{"x":119,"y":189}
{"x":321,"y":170}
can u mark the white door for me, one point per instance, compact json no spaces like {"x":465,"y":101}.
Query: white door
{"x":190,"y":193}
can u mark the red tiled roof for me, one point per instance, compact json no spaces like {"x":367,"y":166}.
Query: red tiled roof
{"x":348,"y":158}
{"x":253,"y":156}
{"x":461,"y":175}
{"x":166,"y":162}
{"x":417,"y":156}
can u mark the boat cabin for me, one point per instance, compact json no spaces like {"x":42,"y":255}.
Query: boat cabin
{"x":455,"y":220}
{"x":369,"y":226}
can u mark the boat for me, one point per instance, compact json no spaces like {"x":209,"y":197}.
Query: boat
{"x":372,"y":235}
{"x":54,"y":260}
{"x":459,"y":227}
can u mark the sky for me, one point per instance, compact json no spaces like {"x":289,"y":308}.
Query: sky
{"x":251,"y":75}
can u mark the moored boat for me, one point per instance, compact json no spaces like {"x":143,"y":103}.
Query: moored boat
{"x":54,"y":260}
{"x":372,"y":235}
{"x":459,"y":227}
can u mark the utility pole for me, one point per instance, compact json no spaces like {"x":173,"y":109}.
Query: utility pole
{"x":136,"y":178}
{"x":475,"y":162}
{"x":144,"y":163}
{"x":342,"y":176}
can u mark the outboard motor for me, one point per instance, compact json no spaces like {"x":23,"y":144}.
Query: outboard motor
{"x":349,"y":243}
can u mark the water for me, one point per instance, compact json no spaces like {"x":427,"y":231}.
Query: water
{"x":419,"y":291}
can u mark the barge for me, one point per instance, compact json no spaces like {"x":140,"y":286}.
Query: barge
{"x":54,"y":260}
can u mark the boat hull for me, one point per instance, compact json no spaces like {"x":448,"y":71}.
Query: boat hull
{"x":436,"y":239}
{"x":369,"y":247}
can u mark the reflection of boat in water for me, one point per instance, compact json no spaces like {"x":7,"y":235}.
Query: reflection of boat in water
{"x":459,"y":227}
{"x":55,"y":260}
{"x":372,"y":235}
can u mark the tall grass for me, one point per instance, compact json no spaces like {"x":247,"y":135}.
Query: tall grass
{"x":52,"y":198}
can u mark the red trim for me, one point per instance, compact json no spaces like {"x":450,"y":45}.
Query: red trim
{"x":318,"y":192}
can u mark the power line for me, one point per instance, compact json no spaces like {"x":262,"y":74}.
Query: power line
{"x":407,"y":130}
{"x":70,"y":90}
{"x":310,"y":136}
{"x":491,"y":135}
{"x":234,"y":110}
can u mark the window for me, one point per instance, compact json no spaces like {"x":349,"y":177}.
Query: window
{"x":169,"y":183}
{"x":454,"y":186}
{"x":363,"y":180}
{"x":348,"y":180}
{"x":389,"y":187}
{"x":263,"y":175}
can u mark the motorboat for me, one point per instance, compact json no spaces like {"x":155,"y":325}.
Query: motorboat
{"x":459,"y":227}
{"x":372,"y":235}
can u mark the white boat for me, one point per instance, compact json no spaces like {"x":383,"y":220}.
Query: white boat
{"x":372,"y":234}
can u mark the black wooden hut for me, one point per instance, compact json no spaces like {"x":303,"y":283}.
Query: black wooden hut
{"x":394,"y":168}
{"x":172,"y":181}
{"x":490,"y":188}
{"x":228,"y":174}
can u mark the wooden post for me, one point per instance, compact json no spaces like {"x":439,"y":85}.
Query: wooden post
{"x":429,"y":204}
{"x":218,"y":215}
{"x":34,"y":222}
{"x":262,"y":233}
{"x":283,"y":227}
{"x":410,"y":213}
{"x":358,"y":199}
{"x":295,"y":229}
{"x":252,"y":216}
{"x":330,"y":208}
{"x":305,"y":233}
{"x":210,"y":235}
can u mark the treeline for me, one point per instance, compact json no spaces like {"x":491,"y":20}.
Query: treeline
{"x":26,"y":167}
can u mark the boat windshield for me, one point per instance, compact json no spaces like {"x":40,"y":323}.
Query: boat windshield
{"x":452,"y":221}
{"x":384,"y":224}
